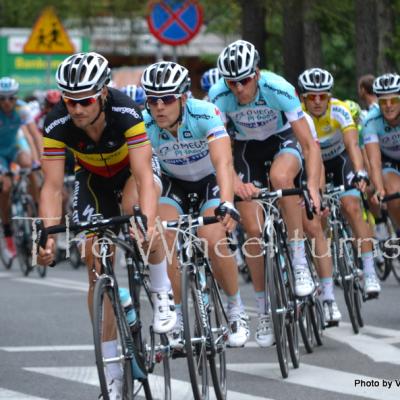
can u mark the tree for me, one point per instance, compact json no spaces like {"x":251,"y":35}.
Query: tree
{"x":312,"y":44}
{"x":385,"y":11}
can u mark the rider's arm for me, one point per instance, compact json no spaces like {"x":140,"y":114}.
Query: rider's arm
{"x":28,"y":136}
{"x":140,"y":161}
{"x":50,"y":204}
{"x":374,"y":158}
{"x":350,"y":139}
{"x":221,"y":158}
{"x":36,"y":136}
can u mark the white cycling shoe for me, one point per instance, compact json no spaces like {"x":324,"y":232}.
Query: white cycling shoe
{"x":331,"y":312}
{"x":239,"y":331}
{"x":372,"y":285}
{"x":264,"y":333}
{"x":114,"y":390}
{"x":164,"y":318}
{"x":303,"y":283}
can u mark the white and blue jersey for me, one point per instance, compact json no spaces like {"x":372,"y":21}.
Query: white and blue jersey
{"x":186,"y":157}
{"x":10,"y":140}
{"x":274,"y":107}
{"x":375,"y":129}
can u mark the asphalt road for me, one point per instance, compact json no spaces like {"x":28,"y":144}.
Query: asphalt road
{"x":46,"y":348}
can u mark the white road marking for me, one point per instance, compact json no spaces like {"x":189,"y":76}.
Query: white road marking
{"x":54,"y":282}
{"x":88,"y":375}
{"x":6,"y":394}
{"x":322,"y":378}
{"x":374,"y":348}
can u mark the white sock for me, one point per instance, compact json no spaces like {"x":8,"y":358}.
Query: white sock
{"x":327,"y":289}
{"x":262,"y":307}
{"x":159,"y":277}
{"x":368,"y":263}
{"x":114,"y":370}
{"x":298,"y":252}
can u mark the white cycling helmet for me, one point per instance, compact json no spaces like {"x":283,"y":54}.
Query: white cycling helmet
{"x":165,"y":77}
{"x":386,"y":84}
{"x":136,"y":93}
{"x":209,"y":78}
{"x":238,"y":60}
{"x":315,"y":80}
{"x":82,"y":72}
{"x":8,"y":86}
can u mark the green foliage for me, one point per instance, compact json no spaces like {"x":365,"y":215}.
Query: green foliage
{"x":218,"y":20}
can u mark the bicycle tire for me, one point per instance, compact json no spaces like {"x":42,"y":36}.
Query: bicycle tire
{"x":275,"y":289}
{"x":292,"y":316}
{"x":219,"y":334}
{"x":383,"y":269}
{"x":346,"y":283}
{"x":193,"y":323}
{"x":104,"y":290}
{"x":6,"y":260}
{"x":306,"y":330}
{"x":317,"y":320}
{"x":396,"y":269}
{"x":22,"y":232}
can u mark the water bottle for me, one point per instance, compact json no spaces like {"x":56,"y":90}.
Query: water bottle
{"x":130,"y":312}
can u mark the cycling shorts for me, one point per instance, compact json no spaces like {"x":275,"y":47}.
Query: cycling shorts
{"x":250,"y":157}
{"x":175,"y":193}
{"x":341,"y":169}
{"x":390,"y":165}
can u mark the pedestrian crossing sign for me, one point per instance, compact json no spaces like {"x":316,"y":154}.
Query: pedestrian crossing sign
{"x":48,"y":36}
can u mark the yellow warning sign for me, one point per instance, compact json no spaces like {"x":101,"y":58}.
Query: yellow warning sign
{"x":48,"y":36}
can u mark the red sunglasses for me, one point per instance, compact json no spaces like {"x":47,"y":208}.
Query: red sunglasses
{"x":243,"y":82}
{"x":84,"y":102}
{"x":313,"y":96}
{"x":167,"y":99}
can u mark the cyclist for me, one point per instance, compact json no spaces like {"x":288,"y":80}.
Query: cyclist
{"x":15,"y":121}
{"x":105,"y":131}
{"x":269,"y":121}
{"x":342,"y":157}
{"x":209,"y":78}
{"x":193,"y":147}
{"x":136,"y":93}
{"x":366,"y":92}
{"x":381,"y":136}
{"x":52,"y":97}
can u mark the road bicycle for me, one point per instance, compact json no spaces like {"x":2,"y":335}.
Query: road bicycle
{"x":205,"y":322}
{"x":140,"y":351}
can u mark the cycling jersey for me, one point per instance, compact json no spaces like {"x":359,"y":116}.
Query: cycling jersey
{"x":9,"y":126}
{"x":186,"y":156}
{"x":331,"y":127}
{"x":375,"y":129}
{"x":274,"y":107}
{"x":124,"y":130}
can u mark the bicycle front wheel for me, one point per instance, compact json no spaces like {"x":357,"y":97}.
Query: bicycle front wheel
{"x":219,"y":333}
{"x":195,"y":334}
{"x":277,"y":294}
{"x":104,"y":299}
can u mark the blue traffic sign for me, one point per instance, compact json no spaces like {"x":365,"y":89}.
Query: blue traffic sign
{"x":175,"y":22}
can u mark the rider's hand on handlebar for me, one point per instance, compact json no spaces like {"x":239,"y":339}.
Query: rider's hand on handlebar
{"x":46,"y":256}
{"x":315,"y":198}
{"x":245,"y":190}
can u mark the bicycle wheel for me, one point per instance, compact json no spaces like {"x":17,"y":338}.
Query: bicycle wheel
{"x":218,"y":336}
{"x":396,"y":269}
{"x":306,"y":330}
{"x":277,"y":294}
{"x":195,"y":334}
{"x":384,"y":265}
{"x":293,"y":307}
{"x":346,"y":276}
{"x":5,"y":256}
{"x":316,"y":313}
{"x":103,"y":293}
{"x":22,"y":232}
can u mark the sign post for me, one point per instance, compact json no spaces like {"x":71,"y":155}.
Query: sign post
{"x":175,"y":22}
{"x":48,"y":37}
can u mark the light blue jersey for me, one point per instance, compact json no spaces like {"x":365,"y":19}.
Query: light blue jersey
{"x":9,"y":126}
{"x":186,"y":156}
{"x":274,"y":107}
{"x":376,"y":130}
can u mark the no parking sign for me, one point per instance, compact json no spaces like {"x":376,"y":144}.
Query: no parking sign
{"x":175,"y":22}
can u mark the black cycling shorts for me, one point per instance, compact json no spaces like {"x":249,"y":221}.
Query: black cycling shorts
{"x":251,"y":156}
{"x":175,"y":193}
{"x":390,"y":165}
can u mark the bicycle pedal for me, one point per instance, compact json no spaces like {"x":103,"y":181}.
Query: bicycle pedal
{"x":331,"y":324}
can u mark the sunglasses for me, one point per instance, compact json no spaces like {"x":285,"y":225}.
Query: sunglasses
{"x":84,"y":101}
{"x":243,"y":82}
{"x":313,"y":96}
{"x":9,"y":98}
{"x":391,"y":101}
{"x":167,"y":99}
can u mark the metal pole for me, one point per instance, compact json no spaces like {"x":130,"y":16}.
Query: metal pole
{"x":48,"y":72}
{"x":174,"y":54}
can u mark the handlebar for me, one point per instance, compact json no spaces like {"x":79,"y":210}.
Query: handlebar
{"x":185,"y":221}
{"x":390,"y":197}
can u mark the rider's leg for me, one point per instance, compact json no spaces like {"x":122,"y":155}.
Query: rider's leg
{"x":391,"y":182}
